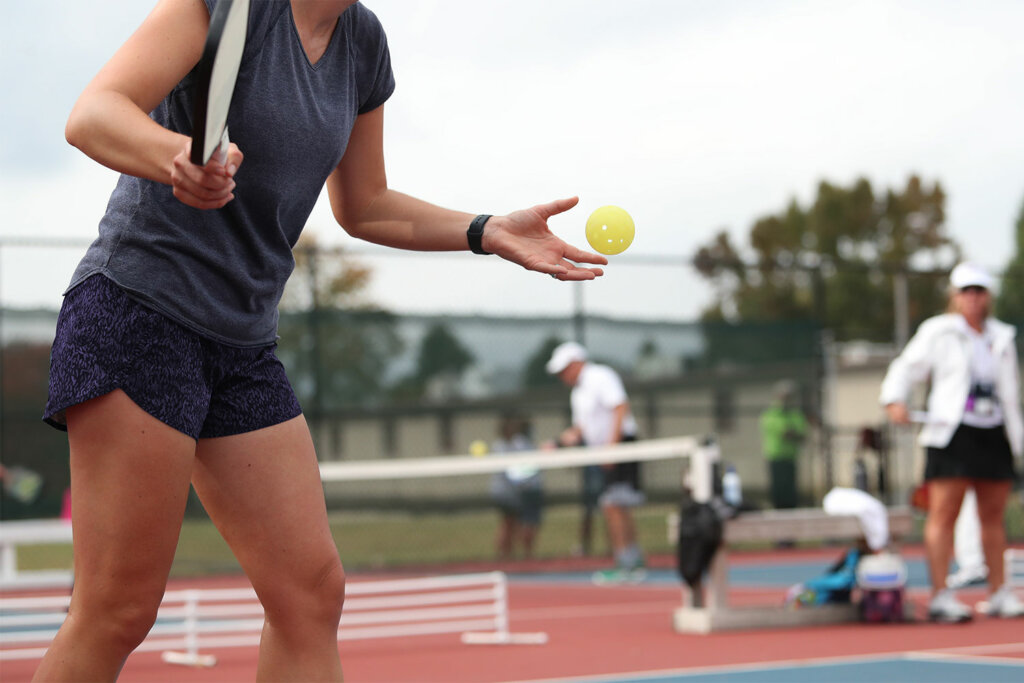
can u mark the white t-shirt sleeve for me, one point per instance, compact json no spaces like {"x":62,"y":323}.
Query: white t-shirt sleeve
{"x":609,"y":388}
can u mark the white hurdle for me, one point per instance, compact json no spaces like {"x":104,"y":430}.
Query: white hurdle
{"x":192,"y":622}
{"x":31,"y":532}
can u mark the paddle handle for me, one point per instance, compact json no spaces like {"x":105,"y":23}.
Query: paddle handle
{"x":222,"y":148}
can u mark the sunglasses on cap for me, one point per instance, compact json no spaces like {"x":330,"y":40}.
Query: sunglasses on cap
{"x":973,"y":289}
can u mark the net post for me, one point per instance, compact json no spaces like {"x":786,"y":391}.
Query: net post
{"x":700,"y":475}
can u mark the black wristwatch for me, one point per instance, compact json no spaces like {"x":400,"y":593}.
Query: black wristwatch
{"x":475,"y":234}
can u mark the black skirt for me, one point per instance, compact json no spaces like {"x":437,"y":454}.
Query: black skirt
{"x":972,"y":453}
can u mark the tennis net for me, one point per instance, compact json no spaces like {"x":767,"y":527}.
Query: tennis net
{"x":429,"y":512}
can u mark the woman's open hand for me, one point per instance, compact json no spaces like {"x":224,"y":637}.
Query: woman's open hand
{"x":523,"y":237}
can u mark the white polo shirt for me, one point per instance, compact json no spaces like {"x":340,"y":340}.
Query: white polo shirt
{"x":598,"y":391}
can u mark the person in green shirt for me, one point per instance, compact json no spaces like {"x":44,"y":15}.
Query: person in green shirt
{"x":783,"y":430}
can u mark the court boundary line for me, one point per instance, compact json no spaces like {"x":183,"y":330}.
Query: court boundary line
{"x":966,"y":659}
{"x":972,"y":654}
{"x":1016,"y":646}
{"x":921,"y":655}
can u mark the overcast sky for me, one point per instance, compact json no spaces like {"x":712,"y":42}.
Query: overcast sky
{"x":694,"y":116}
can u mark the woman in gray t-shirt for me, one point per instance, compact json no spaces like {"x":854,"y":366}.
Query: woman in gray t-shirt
{"x":163,"y":370}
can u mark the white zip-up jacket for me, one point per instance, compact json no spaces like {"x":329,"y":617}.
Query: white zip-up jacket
{"x":941,"y":349}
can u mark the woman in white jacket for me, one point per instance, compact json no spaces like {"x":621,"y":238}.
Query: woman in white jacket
{"x":973,"y":431}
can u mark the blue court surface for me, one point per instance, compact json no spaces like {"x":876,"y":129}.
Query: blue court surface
{"x":908,"y":669}
{"x":767,"y":575}
{"x":911,"y":667}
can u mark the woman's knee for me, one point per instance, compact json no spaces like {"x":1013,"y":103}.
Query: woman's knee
{"x":329,"y":590}
{"x":120,"y":622}
{"x":317,"y":599}
{"x":992,"y":499}
{"x":942,"y":517}
{"x":945,"y":498}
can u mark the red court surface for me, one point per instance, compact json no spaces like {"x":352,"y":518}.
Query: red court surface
{"x":616,"y":631}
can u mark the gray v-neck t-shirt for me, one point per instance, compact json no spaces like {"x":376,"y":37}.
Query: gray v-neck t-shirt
{"x":221,"y":272}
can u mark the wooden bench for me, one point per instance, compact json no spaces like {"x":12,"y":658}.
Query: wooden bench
{"x":709,"y":610}
{"x":31,"y":532}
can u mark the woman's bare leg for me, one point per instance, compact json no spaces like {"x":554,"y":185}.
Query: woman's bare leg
{"x":944,"y":498}
{"x":992,"y":497}
{"x":621,"y":528}
{"x":129,"y":485}
{"x":263,"y":491}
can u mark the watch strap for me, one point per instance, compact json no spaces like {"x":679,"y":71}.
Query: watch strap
{"x":475,"y":234}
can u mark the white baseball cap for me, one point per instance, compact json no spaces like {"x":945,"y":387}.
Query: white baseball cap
{"x":970,"y":275}
{"x":564,"y":355}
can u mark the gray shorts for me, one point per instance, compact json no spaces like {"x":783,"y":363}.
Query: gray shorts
{"x":106,"y":340}
{"x":522,"y":499}
{"x":621,"y":494}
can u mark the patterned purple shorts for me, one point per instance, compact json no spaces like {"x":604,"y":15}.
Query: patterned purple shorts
{"x":106,"y":340}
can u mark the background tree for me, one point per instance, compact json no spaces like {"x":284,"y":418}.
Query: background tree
{"x":440,"y":363}
{"x":652,"y":364}
{"x":1010,"y":300}
{"x":441,"y":352}
{"x":336,"y":343}
{"x":535,"y":374}
{"x":833,"y":261}
{"x":325,"y":278}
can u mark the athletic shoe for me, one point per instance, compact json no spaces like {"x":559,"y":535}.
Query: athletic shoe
{"x":1004,"y":603}
{"x":946,"y":609}
{"x":637,"y":575}
{"x":607,"y":577}
{"x":968,"y":576}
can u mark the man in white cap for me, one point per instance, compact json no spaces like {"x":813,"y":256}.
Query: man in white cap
{"x":601,"y":416}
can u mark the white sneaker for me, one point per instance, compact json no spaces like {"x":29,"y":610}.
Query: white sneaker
{"x":637,"y":575}
{"x":946,"y":609}
{"x":607,"y":577}
{"x":1004,"y":603}
{"x":968,"y":576}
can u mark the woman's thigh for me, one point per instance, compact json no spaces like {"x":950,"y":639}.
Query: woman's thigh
{"x":992,"y":496}
{"x":263,"y":491}
{"x":944,"y":498}
{"x":129,"y":487}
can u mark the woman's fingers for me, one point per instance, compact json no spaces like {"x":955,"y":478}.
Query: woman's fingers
{"x":897,"y":413}
{"x":204,"y":187}
{"x":577,"y":273}
{"x":566,"y":270}
{"x":524,"y":237}
{"x":556,"y":207}
{"x":578,"y":255}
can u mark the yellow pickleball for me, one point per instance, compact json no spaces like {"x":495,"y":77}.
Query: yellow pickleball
{"x":479,"y":448}
{"x":610,"y":230}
